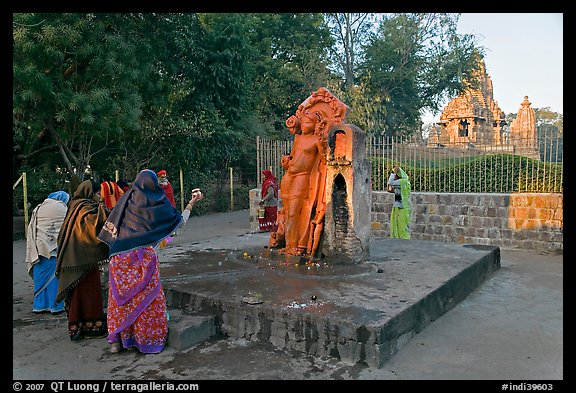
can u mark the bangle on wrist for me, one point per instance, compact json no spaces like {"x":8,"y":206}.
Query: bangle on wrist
{"x":189,"y":206}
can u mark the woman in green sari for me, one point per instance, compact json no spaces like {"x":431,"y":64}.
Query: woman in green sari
{"x":399,"y":184}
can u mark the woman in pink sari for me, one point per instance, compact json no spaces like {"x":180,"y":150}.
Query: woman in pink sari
{"x":141,"y":221}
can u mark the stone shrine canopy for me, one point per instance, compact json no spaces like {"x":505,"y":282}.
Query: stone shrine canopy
{"x":474,"y":116}
{"x":474,"y":119}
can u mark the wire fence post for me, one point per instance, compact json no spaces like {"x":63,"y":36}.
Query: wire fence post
{"x":258,"y":174}
{"x":231,"y":191}
{"x":181,"y":190}
{"x":25,"y":187}
{"x":25,"y":191}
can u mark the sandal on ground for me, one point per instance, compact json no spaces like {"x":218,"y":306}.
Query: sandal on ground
{"x":115,"y":347}
{"x":77,"y":336}
{"x":96,"y":334}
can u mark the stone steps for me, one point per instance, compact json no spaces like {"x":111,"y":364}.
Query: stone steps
{"x":188,"y":329}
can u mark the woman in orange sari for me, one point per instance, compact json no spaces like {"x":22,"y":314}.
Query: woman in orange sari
{"x":110,"y":191}
{"x":142,"y":220}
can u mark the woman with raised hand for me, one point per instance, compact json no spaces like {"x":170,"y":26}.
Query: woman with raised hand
{"x":140,"y":223}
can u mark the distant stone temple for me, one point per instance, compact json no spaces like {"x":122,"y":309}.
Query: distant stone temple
{"x":523,"y":130}
{"x":474,"y":119}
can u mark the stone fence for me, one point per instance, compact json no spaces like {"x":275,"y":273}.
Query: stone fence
{"x":526,"y":221}
{"x":532,"y":221}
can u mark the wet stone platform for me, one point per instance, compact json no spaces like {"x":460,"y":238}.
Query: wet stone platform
{"x":356,"y":313}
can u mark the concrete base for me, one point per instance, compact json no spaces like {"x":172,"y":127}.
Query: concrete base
{"x":362,"y":313}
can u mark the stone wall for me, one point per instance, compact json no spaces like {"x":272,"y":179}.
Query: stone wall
{"x":532,"y":221}
{"x":524,"y":221}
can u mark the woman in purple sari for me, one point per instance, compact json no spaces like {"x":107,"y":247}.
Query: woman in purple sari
{"x":141,"y":221}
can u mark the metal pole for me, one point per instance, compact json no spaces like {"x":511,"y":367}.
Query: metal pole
{"x":181,"y":190}
{"x":257,"y":159}
{"x":25,"y":204}
{"x":231,"y":191}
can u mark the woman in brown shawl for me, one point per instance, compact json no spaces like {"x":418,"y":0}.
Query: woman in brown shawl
{"x":80,"y":254}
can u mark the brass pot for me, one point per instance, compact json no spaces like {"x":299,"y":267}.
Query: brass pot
{"x":260,"y":211}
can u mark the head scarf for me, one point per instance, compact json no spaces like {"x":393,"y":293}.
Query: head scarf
{"x":269,"y":180}
{"x":79,"y":250}
{"x":142,"y":217}
{"x":60,"y":196}
{"x":110,"y":193}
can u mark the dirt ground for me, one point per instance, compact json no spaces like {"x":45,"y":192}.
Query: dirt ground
{"x":509,"y":329}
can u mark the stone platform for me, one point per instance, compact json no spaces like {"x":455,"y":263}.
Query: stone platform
{"x":356,"y":313}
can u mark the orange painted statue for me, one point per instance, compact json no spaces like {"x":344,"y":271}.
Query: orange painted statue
{"x":303,"y":185}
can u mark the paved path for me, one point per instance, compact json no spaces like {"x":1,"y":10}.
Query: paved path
{"x":509,"y":329}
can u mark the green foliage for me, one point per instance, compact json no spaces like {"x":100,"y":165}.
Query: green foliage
{"x":411,"y":64}
{"x":493,"y":173}
{"x":547,"y":117}
{"x":350,"y":32}
{"x":288,"y":64}
{"x":76,"y":83}
{"x":128,"y":91}
{"x":40,"y":182}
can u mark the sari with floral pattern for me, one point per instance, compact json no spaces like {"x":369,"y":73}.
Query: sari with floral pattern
{"x":136,"y":303}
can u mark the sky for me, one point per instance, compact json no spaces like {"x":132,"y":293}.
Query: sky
{"x":523,"y":57}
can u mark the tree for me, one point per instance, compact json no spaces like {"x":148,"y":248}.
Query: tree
{"x":350,"y":31}
{"x":545,"y":116}
{"x":412,"y":64}
{"x":130,"y":91}
{"x":290,"y":61}
{"x":77,"y":80}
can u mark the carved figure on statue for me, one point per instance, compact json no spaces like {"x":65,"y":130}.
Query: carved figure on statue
{"x":303,"y":184}
{"x":300,"y":179}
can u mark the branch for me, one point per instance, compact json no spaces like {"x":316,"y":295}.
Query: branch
{"x":70,"y":70}
{"x":35,"y":153}
{"x":34,"y":25}
{"x":65,"y":151}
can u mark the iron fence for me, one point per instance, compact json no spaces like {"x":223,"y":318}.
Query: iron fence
{"x":514,"y":166}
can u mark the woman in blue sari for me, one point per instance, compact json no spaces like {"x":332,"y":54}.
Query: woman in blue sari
{"x":41,"y":250}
